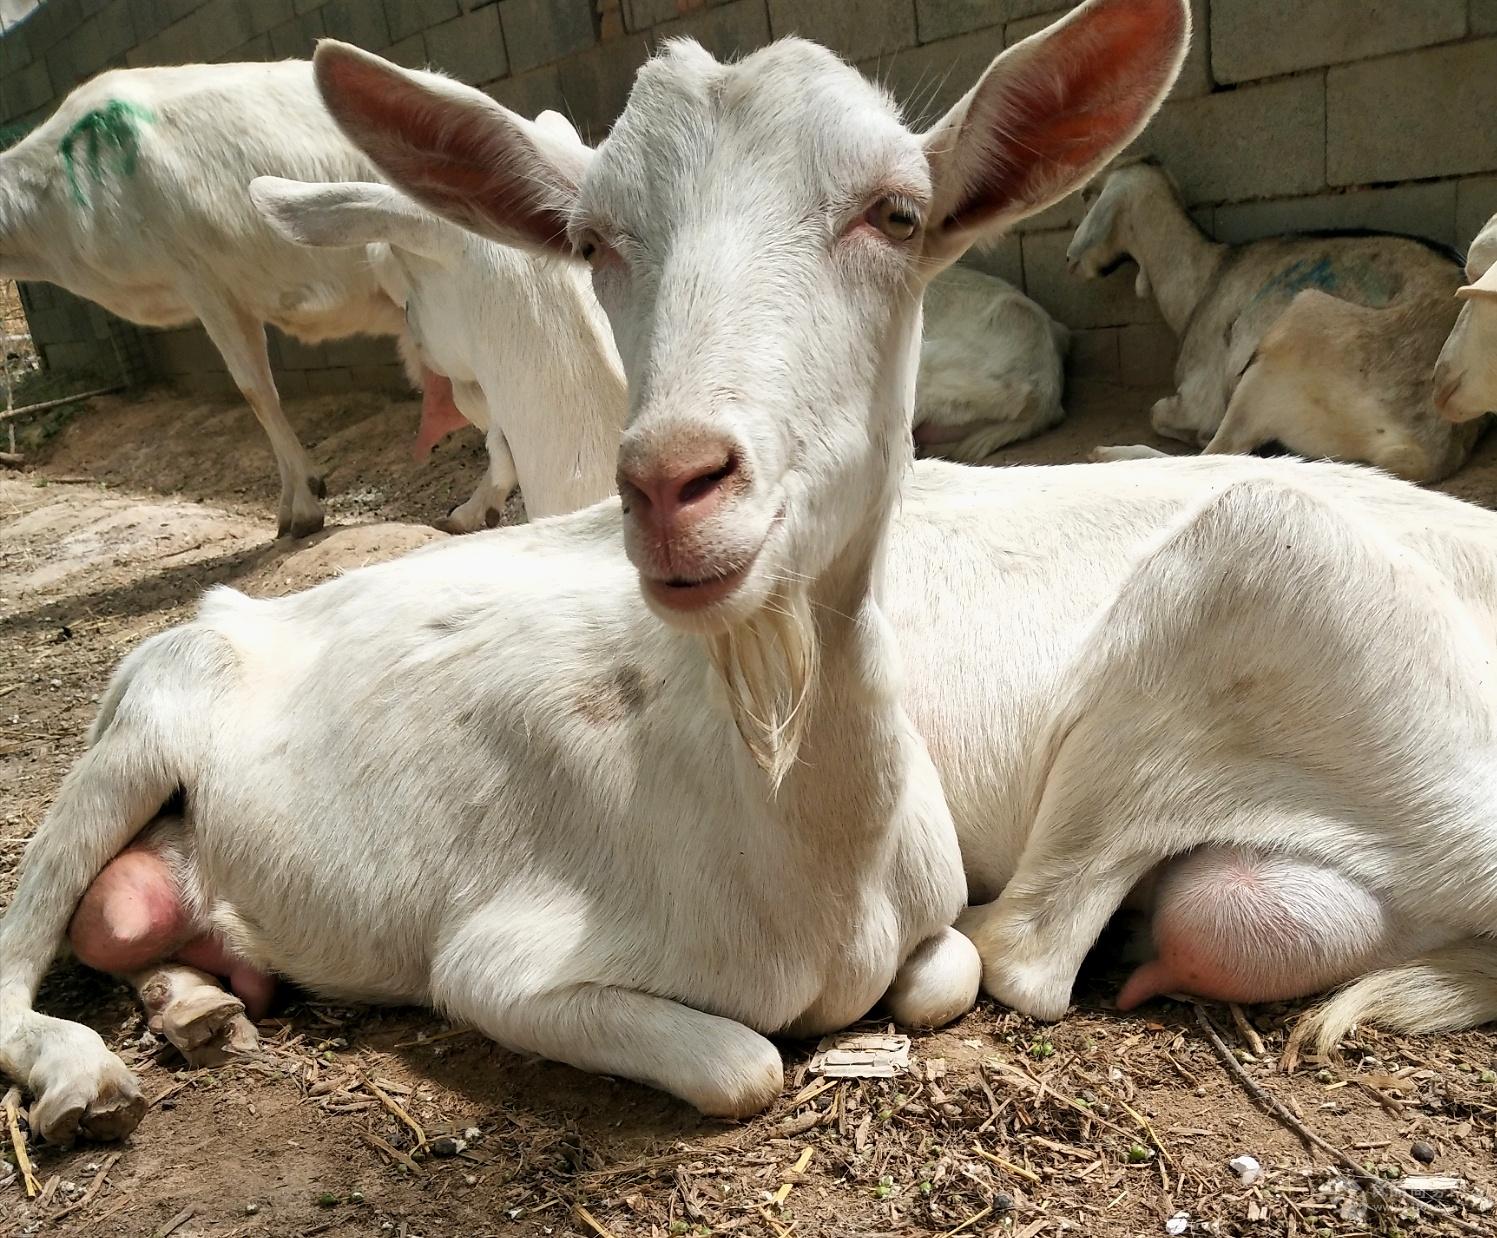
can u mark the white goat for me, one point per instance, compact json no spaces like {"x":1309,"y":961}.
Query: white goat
{"x":992,"y":367}
{"x":1322,"y":344}
{"x":677,"y":832}
{"x":1466,"y":373}
{"x":132,"y":194}
{"x":1273,"y":672}
{"x":521,"y":337}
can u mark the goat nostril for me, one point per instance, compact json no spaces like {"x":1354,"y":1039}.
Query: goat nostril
{"x":705,"y":483}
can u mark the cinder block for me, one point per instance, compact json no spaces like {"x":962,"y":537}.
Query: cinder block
{"x":531,"y":93}
{"x":1420,"y":114}
{"x":1254,"y":142}
{"x":1078,"y":302}
{"x":470,"y":48}
{"x":15,"y":48}
{"x":1095,"y":354}
{"x":48,"y":326}
{"x":78,"y":355}
{"x":537,"y":32}
{"x":329,"y":382}
{"x":642,"y":14}
{"x":596,"y":84}
{"x":1003,"y":258}
{"x":262,"y":15}
{"x":1475,"y":203}
{"x":1426,"y":210}
{"x":856,"y":31}
{"x":256,"y":49}
{"x":305,"y":6}
{"x":29,"y":88}
{"x":409,"y":52}
{"x":296,"y":355}
{"x":362,"y":350}
{"x":208,"y":384}
{"x":390,"y":378}
{"x":1146,"y":354}
{"x":360,"y":22}
{"x":408,"y":17}
{"x":728,"y":30}
{"x":291,"y":384}
{"x":149,"y":18}
{"x":1484,"y":16}
{"x":51,"y":23}
{"x":944,"y":19}
{"x":220,"y":26}
{"x":928,"y":80}
{"x":1267,"y":38}
{"x":296,"y":38}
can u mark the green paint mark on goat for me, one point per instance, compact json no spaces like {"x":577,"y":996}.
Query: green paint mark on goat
{"x":111,"y":129}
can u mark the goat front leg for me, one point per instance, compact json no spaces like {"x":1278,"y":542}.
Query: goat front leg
{"x":240,"y":338}
{"x":486,"y":508}
{"x":937,"y":983}
{"x":720,"y":1067}
{"x":1126,"y":451}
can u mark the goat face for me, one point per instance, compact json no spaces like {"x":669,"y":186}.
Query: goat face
{"x":1102,"y":242}
{"x":754,"y":236}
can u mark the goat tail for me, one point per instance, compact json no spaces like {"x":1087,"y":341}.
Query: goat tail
{"x":1442,"y":990}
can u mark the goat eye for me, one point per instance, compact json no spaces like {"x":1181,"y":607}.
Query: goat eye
{"x":895,"y":219}
{"x":589,"y":246}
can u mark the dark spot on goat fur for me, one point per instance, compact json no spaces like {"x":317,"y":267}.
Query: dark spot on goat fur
{"x":612,"y":697}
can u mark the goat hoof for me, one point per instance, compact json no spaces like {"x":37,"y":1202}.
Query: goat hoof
{"x":938,"y":983}
{"x":1032,"y":991}
{"x":82,"y":1089}
{"x":295,"y":526}
{"x":207,"y":1026}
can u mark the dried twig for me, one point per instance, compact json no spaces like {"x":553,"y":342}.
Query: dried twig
{"x":592,"y":1222}
{"x":175,"y":1223}
{"x":390,"y":1150}
{"x":394,"y":1107}
{"x":970,"y":1221}
{"x":1247,"y":1031}
{"x":1379,"y":1187}
{"x":94,"y":1188}
{"x":1003,"y":1164}
{"x":12,"y":1105}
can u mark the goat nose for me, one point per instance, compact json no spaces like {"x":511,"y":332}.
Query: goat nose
{"x":679,"y":486}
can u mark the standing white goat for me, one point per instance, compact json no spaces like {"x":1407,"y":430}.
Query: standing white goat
{"x":132,"y":194}
{"x":992,"y":367}
{"x":521,"y":337}
{"x":1322,"y":344}
{"x":1466,"y":373}
{"x":646,"y":839}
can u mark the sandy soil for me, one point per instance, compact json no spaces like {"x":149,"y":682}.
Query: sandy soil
{"x":1104,"y":1124}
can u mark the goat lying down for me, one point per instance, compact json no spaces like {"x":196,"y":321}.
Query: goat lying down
{"x":552,"y":890}
{"x":132,"y":195}
{"x":1322,"y":344}
{"x":1232,"y":679}
{"x":1466,"y":372}
{"x":992,"y":367}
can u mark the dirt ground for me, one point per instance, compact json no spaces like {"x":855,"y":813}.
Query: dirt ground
{"x":388,"y":1122}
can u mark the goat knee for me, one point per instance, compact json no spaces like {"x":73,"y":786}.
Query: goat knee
{"x":1235,"y":924}
{"x":131,"y":916}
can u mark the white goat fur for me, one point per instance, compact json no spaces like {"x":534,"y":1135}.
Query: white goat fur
{"x":521,"y":336}
{"x":1466,"y":373}
{"x":1215,"y":652}
{"x":1323,"y":344}
{"x":992,"y":367}
{"x":165,"y":233}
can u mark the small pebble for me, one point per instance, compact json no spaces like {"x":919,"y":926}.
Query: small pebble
{"x":1247,"y":1169}
{"x":1002,"y":1202}
{"x":470,"y":1179}
{"x":1177,"y":1224}
{"x":446,"y":1145}
{"x":1423,"y":1152}
{"x":251,"y":1208}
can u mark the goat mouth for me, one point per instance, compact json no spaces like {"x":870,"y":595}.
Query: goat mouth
{"x":686,"y":595}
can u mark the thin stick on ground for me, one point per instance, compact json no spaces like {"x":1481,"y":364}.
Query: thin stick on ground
{"x":94,"y":1188}
{"x":394,"y":1107}
{"x":1381,"y":1188}
{"x":18,"y":1144}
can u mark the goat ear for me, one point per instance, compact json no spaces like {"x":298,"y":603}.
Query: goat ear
{"x":1048,"y":113}
{"x":454,"y":149}
{"x":347,"y":213}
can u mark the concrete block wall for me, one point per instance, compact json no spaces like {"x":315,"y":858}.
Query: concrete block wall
{"x":1289,"y":114}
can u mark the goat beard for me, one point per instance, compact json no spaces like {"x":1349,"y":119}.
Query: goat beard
{"x":769,"y":664}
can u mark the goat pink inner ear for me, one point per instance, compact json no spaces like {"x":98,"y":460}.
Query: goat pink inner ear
{"x":1068,"y":103}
